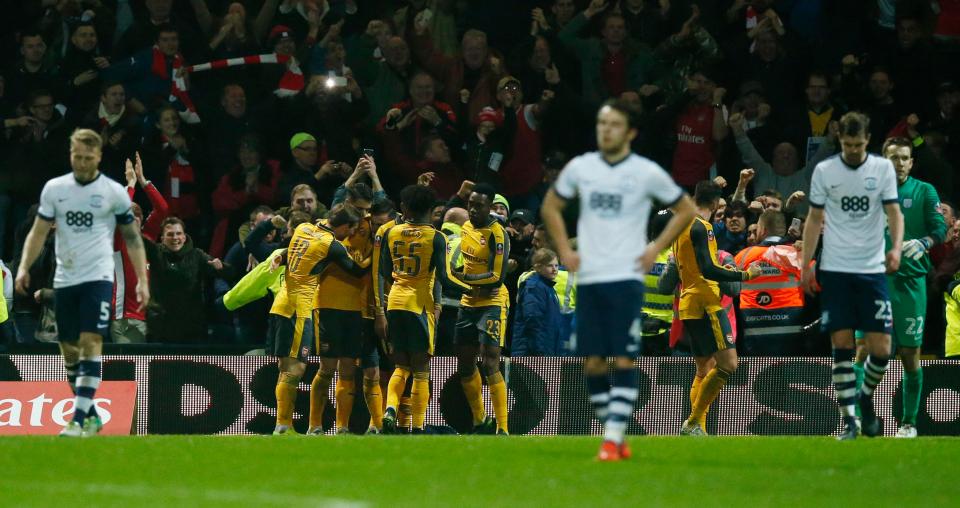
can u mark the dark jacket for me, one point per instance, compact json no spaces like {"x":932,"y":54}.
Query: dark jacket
{"x":536,"y":330}
{"x":178,"y":282}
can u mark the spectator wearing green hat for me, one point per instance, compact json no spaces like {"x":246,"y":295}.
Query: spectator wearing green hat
{"x":302,"y":169}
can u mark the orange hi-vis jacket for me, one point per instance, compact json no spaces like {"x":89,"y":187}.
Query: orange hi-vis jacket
{"x":771,"y":304}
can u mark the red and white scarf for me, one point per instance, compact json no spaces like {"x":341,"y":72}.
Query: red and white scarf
{"x":290,"y":83}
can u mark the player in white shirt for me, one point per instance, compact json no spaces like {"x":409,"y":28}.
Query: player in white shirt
{"x":616,"y":190}
{"x":849,"y":195}
{"x":86,"y":207}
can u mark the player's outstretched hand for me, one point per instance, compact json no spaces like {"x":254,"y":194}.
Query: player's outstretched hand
{"x":809,"y":282}
{"x":893,"y":261}
{"x":216,"y":264}
{"x":143,"y":294}
{"x":754,"y":271}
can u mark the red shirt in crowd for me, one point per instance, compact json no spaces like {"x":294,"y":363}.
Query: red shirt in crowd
{"x":125,"y":278}
{"x":523,"y":171}
{"x":694,"y":153}
{"x":613,"y":70}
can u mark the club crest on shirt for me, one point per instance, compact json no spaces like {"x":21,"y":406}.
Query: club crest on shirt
{"x":710,"y":235}
{"x":483,"y":241}
{"x":908,"y":203}
{"x":499,"y":248}
{"x":377,"y":240}
{"x":96,"y":201}
{"x":870,"y":183}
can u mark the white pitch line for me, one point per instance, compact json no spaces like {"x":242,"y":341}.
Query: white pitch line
{"x":163,"y":494}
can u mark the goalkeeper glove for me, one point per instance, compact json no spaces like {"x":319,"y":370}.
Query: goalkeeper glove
{"x":916,"y":248}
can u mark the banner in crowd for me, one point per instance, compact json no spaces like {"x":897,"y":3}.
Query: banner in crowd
{"x":44,"y":407}
{"x":766,"y":396}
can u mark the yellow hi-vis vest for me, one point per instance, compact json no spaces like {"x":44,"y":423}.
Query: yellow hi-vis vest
{"x":655,"y":304}
{"x":565,"y":287}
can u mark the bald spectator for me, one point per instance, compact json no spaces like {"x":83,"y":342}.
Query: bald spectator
{"x":784,"y":172}
{"x":475,"y":73}
{"x":419,"y":116}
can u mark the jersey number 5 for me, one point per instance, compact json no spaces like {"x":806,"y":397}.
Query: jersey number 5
{"x":406,"y":263}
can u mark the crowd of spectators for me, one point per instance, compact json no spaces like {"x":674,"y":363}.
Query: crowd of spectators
{"x":447,"y":93}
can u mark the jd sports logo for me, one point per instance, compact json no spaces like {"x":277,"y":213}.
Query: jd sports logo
{"x":607,"y":205}
{"x":764,"y":299}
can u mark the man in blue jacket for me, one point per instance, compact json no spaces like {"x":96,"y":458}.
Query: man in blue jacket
{"x":537,"y":321}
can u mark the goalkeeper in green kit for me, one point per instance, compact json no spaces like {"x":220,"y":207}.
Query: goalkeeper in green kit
{"x":924,"y":227}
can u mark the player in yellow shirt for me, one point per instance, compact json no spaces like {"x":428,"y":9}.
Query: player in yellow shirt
{"x":413,"y":260}
{"x":700,"y":308}
{"x":339,"y":303}
{"x":482,"y":321}
{"x":312,"y":248}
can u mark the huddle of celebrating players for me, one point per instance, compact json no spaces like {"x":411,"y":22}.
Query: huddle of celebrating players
{"x":371,"y":299}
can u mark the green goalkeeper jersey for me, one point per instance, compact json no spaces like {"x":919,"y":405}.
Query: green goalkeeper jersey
{"x":921,"y":217}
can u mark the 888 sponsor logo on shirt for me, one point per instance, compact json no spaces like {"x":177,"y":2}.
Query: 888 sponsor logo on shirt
{"x":79,"y":220}
{"x":606,"y":204}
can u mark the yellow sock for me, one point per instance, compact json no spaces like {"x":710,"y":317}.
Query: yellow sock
{"x":318,"y":396}
{"x":398,"y":381}
{"x":694,"y":393}
{"x":344,"y":402}
{"x":473,"y":390}
{"x":374,"y":399}
{"x":498,"y":395}
{"x":709,"y":389}
{"x":420,"y":398}
{"x":286,"y":396}
{"x":405,"y":411}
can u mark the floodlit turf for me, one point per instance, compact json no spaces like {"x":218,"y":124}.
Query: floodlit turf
{"x":346,"y":471}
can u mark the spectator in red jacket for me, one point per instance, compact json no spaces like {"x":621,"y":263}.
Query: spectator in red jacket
{"x":252,"y":182}
{"x":129,"y":324}
{"x":522,"y":170}
{"x":419,"y":116}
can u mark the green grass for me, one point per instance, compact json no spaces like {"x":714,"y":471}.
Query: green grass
{"x":347,"y":471}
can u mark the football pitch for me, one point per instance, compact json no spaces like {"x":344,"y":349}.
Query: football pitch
{"x":360,"y":471}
